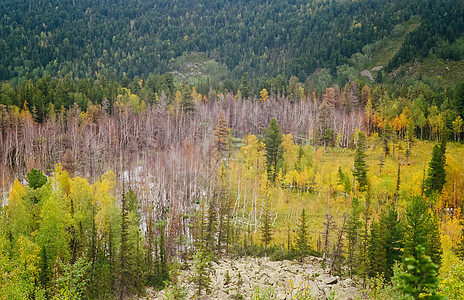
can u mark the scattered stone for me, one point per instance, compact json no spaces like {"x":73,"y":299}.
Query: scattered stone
{"x":284,"y":278}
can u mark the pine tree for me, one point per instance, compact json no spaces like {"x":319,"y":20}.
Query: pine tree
{"x":364,"y":253}
{"x":130,"y":252}
{"x":211,"y":225}
{"x":433,"y":246}
{"x":393,"y":236}
{"x":36,"y":179}
{"x":419,"y":280}
{"x":421,"y":228}
{"x":221,"y":133}
{"x":416,"y":221}
{"x":202,"y":278}
{"x":187,"y":103}
{"x":273,"y":146}
{"x":436,"y":175}
{"x":302,"y":235}
{"x":376,"y":251}
{"x":353,"y":225}
{"x":245,"y":86}
{"x":360,"y":168}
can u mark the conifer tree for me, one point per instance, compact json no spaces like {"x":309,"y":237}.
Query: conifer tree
{"x":36,"y":179}
{"x":130,"y":252}
{"x":419,"y":280}
{"x":202,"y":278}
{"x":376,"y":251}
{"x":360,"y":168}
{"x":302,"y":235}
{"x":433,"y":246}
{"x":364,"y":253}
{"x":416,"y":221}
{"x":273,"y":146}
{"x":353,"y":225}
{"x":421,"y":228}
{"x":221,"y":133}
{"x":392,"y":228}
{"x":211,"y":225}
{"x":436,"y":175}
{"x":187,"y":103}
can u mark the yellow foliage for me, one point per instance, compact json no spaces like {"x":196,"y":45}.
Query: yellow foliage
{"x":104,"y":201}
{"x":28,"y":258}
{"x":16,"y":193}
{"x":290,"y":154}
{"x":264,"y":95}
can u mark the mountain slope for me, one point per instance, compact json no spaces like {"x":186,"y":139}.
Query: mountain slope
{"x":264,"y":38}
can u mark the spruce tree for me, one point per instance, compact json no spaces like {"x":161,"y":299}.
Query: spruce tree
{"x":273,"y":146}
{"x":211,"y":225}
{"x":419,"y":280}
{"x":360,"y":168}
{"x":416,"y":225}
{"x":202,"y":278}
{"x":36,"y":179}
{"x":221,"y":133}
{"x":353,"y":225}
{"x":302,"y":235}
{"x":436,"y":175}
{"x":421,"y":228}
{"x":393,"y":237}
{"x":433,"y":246}
{"x":376,"y":250}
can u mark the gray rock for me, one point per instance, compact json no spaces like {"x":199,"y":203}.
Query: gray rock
{"x":327,"y":279}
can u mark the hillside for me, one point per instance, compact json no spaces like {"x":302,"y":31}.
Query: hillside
{"x":136,"y":38}
{"x":242,"y":149}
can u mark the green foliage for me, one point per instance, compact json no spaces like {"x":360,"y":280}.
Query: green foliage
{"x":273,"y":146}
{"x":353,"y":226}
{"x":360,"y":168}
{"x":421,"y":228}
{"x":73,"y":280}
{"x":302,"y":231}
{"x":419,"y":279}
{"x":131,"y":247}
{"x":436,"y":175}
{"x":201,"y":277}
{"x":380,"y":289}
{"x":36,"y":179}
{"x":452,"y":285}
{"x":266,"y":293}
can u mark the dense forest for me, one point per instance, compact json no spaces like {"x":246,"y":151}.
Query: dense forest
{"x":140,"y":139}
{"x":136,"y":38}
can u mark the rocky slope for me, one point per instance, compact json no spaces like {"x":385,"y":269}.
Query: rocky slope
{"x":278,"y":280}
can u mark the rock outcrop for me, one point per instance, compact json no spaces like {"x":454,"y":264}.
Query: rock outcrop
{"x":281,"y":279}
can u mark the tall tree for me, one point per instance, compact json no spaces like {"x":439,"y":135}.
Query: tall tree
{"x":202,"y":278}
{"x":421,"y":228}
{"x":273,"y":146}
{"x":221,"y":133}
{"x":360,"y":168}
{"x":353,"y":225}
{"x":420,"y":278}
{"x":436,"y":175}
{"x":302,"y":237}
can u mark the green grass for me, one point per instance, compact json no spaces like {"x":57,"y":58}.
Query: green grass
{"x":318,"y":203}
{"x":442,"y":72}
{"x":385,"y":49}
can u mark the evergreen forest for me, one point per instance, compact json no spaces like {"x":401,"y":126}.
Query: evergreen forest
{"x":143,"y":140}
